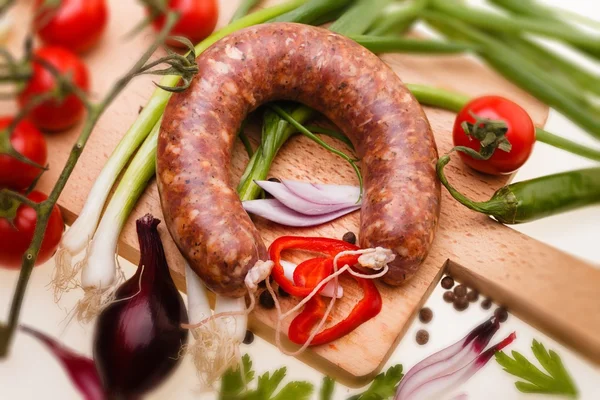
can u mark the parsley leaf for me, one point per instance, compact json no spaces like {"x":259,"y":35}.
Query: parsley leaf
{"x":234,"y":386}
{"x":384,"y":385}
{"x":327,"y":389}
{"x":232,"y":382}
{"x":555,"y":381}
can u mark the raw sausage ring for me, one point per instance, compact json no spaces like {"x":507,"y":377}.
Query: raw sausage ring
{"x":330,"y":73}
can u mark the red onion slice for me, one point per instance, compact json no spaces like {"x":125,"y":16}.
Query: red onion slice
{"x":322,"y":193}
{"x":433,"y":388}
{"x":446,"y":353}
{"x":451,"y":364}
{"x":276,"y":211}
{"x":288,"y":271}
{"x":299,"y":204}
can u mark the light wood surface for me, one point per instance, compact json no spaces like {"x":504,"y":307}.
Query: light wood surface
{"x":551,"y":290}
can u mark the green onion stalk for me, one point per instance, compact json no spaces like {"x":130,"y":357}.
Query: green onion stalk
{"x":517,"y":24}
{"x":563,"y":97}
{"x":81,"y":232}
{"x":536,"y":9}
{"x":397,"y":18}
{"x":560,"y":68}
{"x":276,"y":131}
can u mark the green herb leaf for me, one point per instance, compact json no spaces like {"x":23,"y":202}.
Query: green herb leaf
{"x":384,"y":385}
{"x":235,"y":387}
{"x":556,"y":380}
{"x":268,"y":384}
{"x":296,"y":390}
{"x":327,"y":389}
{"x":232,"y":382}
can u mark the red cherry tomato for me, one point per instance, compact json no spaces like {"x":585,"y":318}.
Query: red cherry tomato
{"x":14,"y":241}
{"x":197,"y":20}
{"x":55,"y":115}
{"x":520,"y":134}
{"x":27,"y":140}
{"x":76,"y":24}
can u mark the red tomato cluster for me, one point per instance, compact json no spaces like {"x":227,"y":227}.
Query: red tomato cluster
{"x":75,"y":26}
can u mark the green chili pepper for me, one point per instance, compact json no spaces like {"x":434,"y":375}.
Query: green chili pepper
{"x":537,"y":198}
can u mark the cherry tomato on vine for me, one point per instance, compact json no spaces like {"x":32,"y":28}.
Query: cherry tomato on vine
{"x":75,"y":24}
{"x":27,"y":140}
{"x":55,"y":114}
{"x":520,"y":134}
{"x":197,"y":20}
{"x":14,"y":240}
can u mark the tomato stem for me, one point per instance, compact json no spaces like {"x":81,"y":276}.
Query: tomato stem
{"x":44,"y":208}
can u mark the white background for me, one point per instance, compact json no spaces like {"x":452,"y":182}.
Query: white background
{"x":31,"y":373}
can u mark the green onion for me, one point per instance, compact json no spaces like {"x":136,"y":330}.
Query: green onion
{"x":331,"y":133}
{"x":243,"y":9}
{"x":566,"y":99}
{"x":541,"y":11}
{"x":99,"y":274}
{"x":313,"y":10}
{"x":283,"y":114}
{"x":81,"y":232}
{"x":518,"y":24}
{"x":378,"y":44}
{"x":553,"y":63}
{"x":277,"y":131}
{"x":397,"y":18}
{"x":430,"y":96}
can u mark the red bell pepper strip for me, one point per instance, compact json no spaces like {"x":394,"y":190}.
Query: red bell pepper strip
{"x":328,"y":246}
{"x":310,"y":273}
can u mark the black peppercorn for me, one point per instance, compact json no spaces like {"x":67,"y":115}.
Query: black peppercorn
{"x":422,"y":337}
{"x":425,"y":315}
{"x":473,"y":296}
{"x":486,"y":304}
{"x":461,"y":303}
{"x":349,"y":237}
{"x":460,"y":291}
{"x":249,"y":338}
{"x":501,"y":314}
{"x":449,"y":296}
{"x":447,"y":282}
{"x":266,"y":300}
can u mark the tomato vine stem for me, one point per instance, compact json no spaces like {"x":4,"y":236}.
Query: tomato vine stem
{"x":44,"y":209}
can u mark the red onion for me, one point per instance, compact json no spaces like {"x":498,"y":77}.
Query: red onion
{"x":322,"y":193}
{"x":300,"y":204}
{"x":447,"y":353}
{"x":434,"y":387}
{"x":139,"y":336}
{"x":276,"y":211}
{"x":81,"y":370}
{"x":469,"y":348}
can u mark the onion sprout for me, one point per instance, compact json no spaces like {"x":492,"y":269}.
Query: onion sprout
{"x":78,"y":236}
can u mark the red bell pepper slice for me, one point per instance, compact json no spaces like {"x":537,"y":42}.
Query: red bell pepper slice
{"x":328,"y":246}
{"x":310,"y":273}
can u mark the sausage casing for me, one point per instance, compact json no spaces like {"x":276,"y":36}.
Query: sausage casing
{"x":337,"y":77}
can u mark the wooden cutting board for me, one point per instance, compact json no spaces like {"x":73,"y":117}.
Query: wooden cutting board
{"x":551,"y":290}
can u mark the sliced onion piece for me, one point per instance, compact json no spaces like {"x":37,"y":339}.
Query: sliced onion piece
{"x":451,"y":364}
{"x":288,"y":271}
{"x":446,"y":353}
{"x":276,"y":211}
{"x":323,"y":193}
{"x":298,"y":203}
{"x":434,"y":388}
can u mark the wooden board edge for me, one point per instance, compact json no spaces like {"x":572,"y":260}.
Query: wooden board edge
{"x":544,"y":322}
